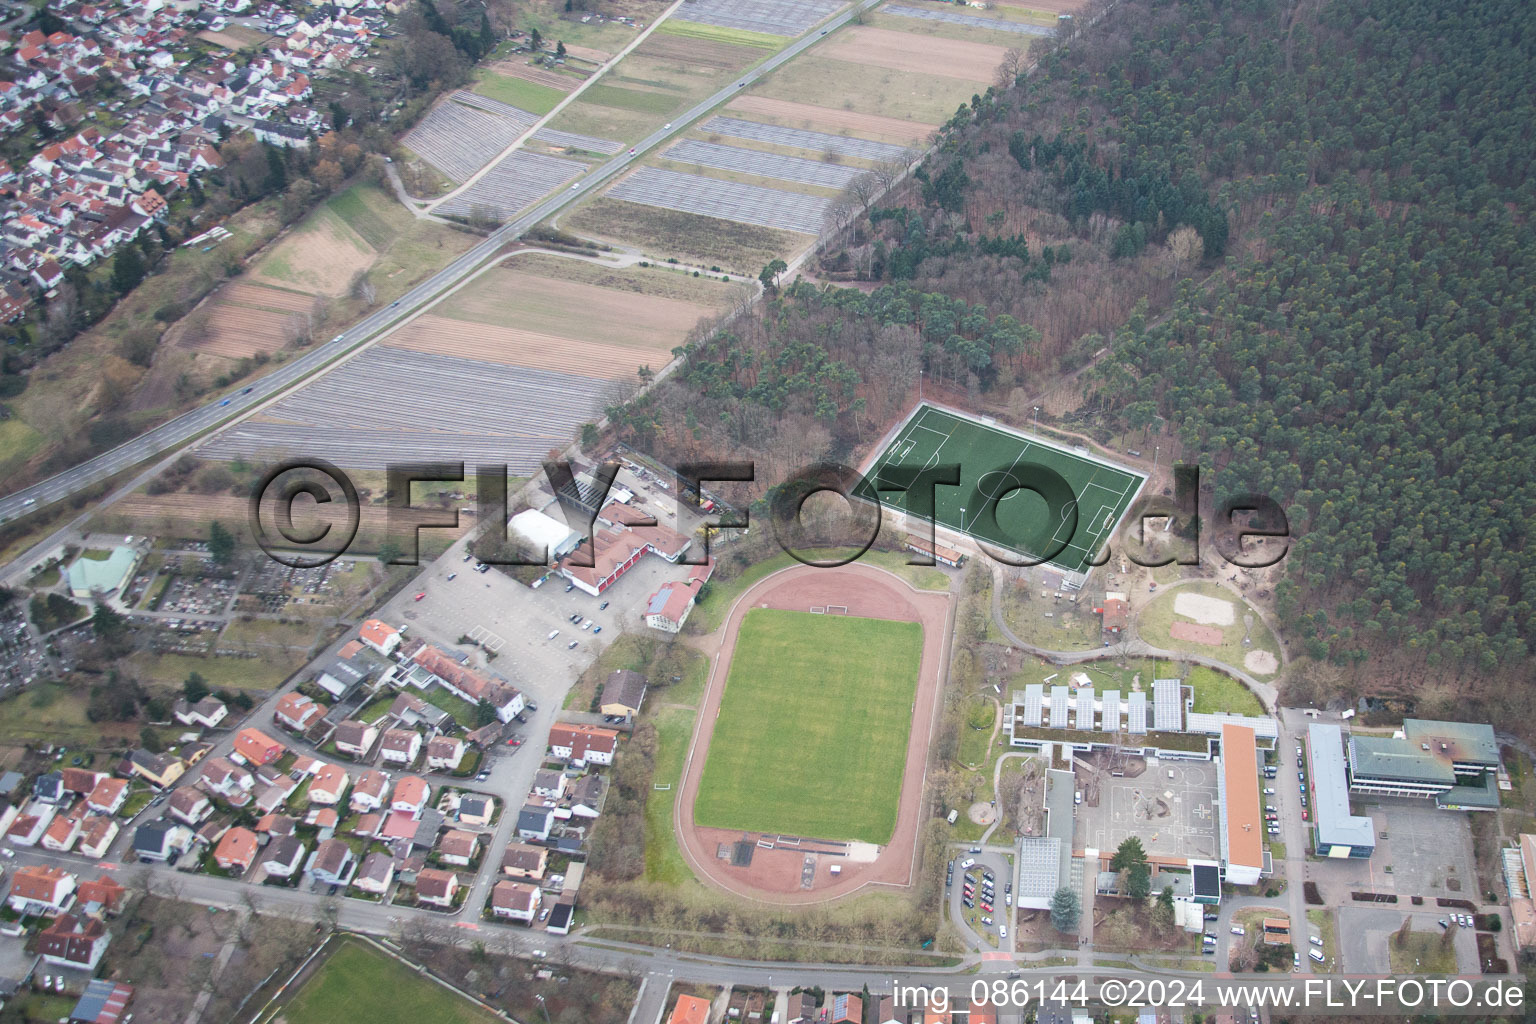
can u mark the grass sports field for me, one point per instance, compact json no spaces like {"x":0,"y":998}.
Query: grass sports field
{"x":359,"y":983}
{"x":812,"y":734}
{"x":991,"y":502}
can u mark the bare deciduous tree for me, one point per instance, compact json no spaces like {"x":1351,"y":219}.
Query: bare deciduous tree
{"x":1013,"y":64}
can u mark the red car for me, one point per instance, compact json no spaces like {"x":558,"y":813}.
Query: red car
{"x":421,"y":595}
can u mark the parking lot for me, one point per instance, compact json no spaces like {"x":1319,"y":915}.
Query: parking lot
{"x":1171,"y":807}
{"x":971,"y":921}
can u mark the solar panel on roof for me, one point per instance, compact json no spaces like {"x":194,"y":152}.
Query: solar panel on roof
{"x":1111,"y":714}
{"x":1034,"y":702}
{"x":1085,"y":707}
{"x":1058,"y":707}
{"x":1136,"y":713}
{"x":1166,"y":713}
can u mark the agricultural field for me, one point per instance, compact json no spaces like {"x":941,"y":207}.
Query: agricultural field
{"x":543,"y":300}
{"x":517,"y":180}
{"x":243,"y":319}
{"x":911,"y":53}
{"x":1011,"y":26}
{"x":898,"y":131}
{"x":711,"y":197}
{"x":763,"y":17}
{"x":522,"y":85}
{"x":662,"y":234}
{"x":925,"y":97}
{"x":841,"y":690}
{"x":593,"y":40}
{"x":356,"y":982}
{"x":319,"y":256}
{"x":465,"y":132}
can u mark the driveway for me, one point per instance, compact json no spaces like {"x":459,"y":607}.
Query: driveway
{"x":968,"y":923}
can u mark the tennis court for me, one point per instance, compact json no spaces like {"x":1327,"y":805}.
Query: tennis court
{"x":1015,"y":492}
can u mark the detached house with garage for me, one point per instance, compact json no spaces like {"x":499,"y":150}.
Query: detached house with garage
{"x":72,"y":941}
{"x":401,"y":746}
{"x":355,"y":739}
{"x":515,"y":901}
{"x":298,"y":712}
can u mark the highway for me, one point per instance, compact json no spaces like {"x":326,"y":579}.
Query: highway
{"x":227,"y":408}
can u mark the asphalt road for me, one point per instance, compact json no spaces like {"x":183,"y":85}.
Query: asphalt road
{"x":179,"y":431}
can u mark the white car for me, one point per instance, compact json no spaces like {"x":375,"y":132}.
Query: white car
{"x":1237,"y":929}
{"x":1002,"y":931}
{"x":968,"y":863}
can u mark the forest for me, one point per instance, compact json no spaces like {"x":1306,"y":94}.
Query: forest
{"x":1291,"y":242}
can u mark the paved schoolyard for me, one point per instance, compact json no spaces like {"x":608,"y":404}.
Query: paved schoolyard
{"x":1365,"y":934}
{"x":1429,"y":850}
{"x":1173,"y":817}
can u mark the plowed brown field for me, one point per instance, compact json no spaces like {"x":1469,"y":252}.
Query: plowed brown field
{"x":826,"y":119}
{"x":903,"y":51}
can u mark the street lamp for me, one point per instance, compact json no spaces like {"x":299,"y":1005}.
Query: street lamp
{"x":540,"y":999}
{"x":1037,"y":419}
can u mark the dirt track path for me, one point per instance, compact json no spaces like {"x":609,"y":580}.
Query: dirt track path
{"x":867,"y":592}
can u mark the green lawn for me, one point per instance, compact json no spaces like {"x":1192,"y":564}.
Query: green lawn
{"x":262,"y":673}
{"x":1216,"y":691}
{"x":462,"y":710}
{"x":1422,"y":953}
{"x":356,"y":983}
{"x":812,"y":734}
{"x":639,"y":100}
{"x":1157,"y":619}
{"x":663,"y":861}
{"x":518,"y":92}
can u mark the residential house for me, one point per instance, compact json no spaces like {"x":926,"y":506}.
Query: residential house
{"x":623,"y":693}
{"x":354,"y":738}
{"x":298,"y":712}
{"x":445,"y":670}
{"x":549,"y":783}
{"x":520,"y":860}
{"x":61,"y":833}
{"x":107,"y":796}
{"x":458,"y":847}
{"x":846,"y":1009}
{"x":800,"y":1008}
{"x":437,"y":888}
{"x":375,"y":874}
{"x":587,"y":795}
{"x":100,"y":898}
{"x":689,"y":1010}
{"x":189,"y":804}
{"x":80,"y":781}
{"x":344,"y":676}
{"x":329,"y":785}
{"x":515,"y":901}
{"x":257,"y":748}
{"x":208,"y":712}
{"x":411,"y":795}
{"x":444,"y":753}
{"x":582,"y":744}
{"x":475,"y":809}
{"x":283,"y":856}
{"x":272,"y":795}
{"x":236,"y":850}
{"x":379,"y":635}
{"x":410,"y":711}
{"x":368,"y":793}
{"x":332,"y":863}
{"x":159,"y":770}
{"x":161,"y":840}
{"x":224,"y":778}
{"x":401,"y":746}
{"x":671,"y":604}
{"x":96,"y":835}
{"x":27,"y":828}
{"x":535,"y":821}
{"x":74,"y":941}
{"x":48,"y":787}
{"x":41,"y":890}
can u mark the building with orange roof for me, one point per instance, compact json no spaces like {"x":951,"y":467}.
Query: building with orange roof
{"x":257,"y":748}
{"x":36,"y":890}
{"x":1242,"y":820}
{"x":236,"y":850}
{"x":584,"y":743}
{"x":104,"y":894}
{"x":690,"y":1010}
{"x":380,"y":635}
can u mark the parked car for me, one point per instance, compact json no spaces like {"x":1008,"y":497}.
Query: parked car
{"x":602,"y":606}
{"x":1237,"y":929}
{"x":571,"y":645}
{"x":421,"y":595}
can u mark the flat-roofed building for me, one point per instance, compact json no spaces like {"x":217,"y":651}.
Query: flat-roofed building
{"x":1337,"y":831}
{"x":1242,"y":820}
